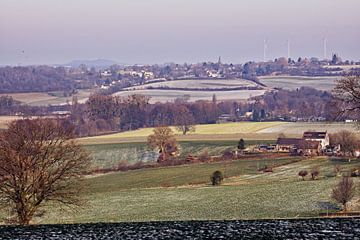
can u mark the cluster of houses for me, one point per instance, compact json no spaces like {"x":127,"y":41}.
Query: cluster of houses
{"x":311,"y":143}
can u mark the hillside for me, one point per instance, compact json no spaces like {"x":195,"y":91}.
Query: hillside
{"x":227,"y":131}
{"x":184,"y":193}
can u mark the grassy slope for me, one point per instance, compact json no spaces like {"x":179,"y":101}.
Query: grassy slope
{"x":225,"y":131}
{"x":138,"y":195}
{"x":294,"y":82}
{"x":4,"y":120}
{"x":109,"y":155}
{"x":165,"y":95}
{"x":51,"y":98}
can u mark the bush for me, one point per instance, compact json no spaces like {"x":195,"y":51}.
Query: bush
{"x":315,"y":173}
{"x":204,"y":156}
{"x":344,"y":191}
{"x":228,"y":154}
{"x":216,"y":178}
{"x":190,"y":159}
{"x":303,"y":174}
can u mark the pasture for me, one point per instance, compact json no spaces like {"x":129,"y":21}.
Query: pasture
{"x":294,"y":82}
{"x":184,"y":193}
{"x":45,"y":99}
{"x":4,"y":120}
{"x":168,"y":95}
{"x":228,"y":131}
{"x":110,"y":155}
{"x":198,"y":84}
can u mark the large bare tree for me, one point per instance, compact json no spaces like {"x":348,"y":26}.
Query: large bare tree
{"x":164,"y":140}
{"x":348,"y":141}
{"x":39,"y":163}
{"x":184,"y":120}
{"x":347,"y":90}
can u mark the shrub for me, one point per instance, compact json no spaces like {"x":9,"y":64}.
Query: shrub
{"x":344,"y":191}
{"x":315,"y":173}
{"x":216,"y":178}
{"x":190,"y":159}
{"x":268,"y":169}
{"x":204,"y":156}
{"x":303,"y":174}
{"x":337,"y":170}
{"x":228,"y":154}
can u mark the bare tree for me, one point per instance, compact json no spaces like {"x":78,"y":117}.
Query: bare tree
{"x":347,"y":141}
{"x":347,"y":90}
{"x":303,"y":174}
{"x":315,"y":173}
{"x":163,"y":139}
{"x":184,"y":120}
{"x":39,"y":162}
{"x":344,"y":191}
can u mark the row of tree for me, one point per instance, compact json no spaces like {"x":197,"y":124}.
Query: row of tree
{"x":104,"y":113}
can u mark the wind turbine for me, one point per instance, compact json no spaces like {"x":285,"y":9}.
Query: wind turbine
{"x":325,"y":48}
{"x":265,"y":50}
{"x":288,"y":48}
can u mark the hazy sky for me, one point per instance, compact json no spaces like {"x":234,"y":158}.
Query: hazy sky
{"x":158,"y":31}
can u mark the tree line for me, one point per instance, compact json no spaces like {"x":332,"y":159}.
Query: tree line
{"x":107,"y":113}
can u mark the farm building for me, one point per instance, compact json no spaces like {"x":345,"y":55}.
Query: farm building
{"x":287,"y":144}
{"x":298,"y":146}
{"x":322,"y":137}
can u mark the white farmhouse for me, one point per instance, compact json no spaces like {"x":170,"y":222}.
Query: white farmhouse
{"x":322,"y":137}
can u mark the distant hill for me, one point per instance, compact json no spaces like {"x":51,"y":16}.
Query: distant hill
{"x":97,"y":63}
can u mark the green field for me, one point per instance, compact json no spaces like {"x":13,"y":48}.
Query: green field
{"x":109,"y":155}
{"x":228,"y":131}
{"x":199,"y":84}
{"x":224,"y":131}
{"x":184,"y":193}
{"x":294,"y":82}
{"x":168,"y":95}
{"x":50,"y":98}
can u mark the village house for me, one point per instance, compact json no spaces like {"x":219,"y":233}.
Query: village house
{"x":298,"y":146}
{"x":322,"y":137}
{"x":287,"y":145}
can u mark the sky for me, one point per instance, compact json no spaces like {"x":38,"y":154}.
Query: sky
{"x":162,"y":31}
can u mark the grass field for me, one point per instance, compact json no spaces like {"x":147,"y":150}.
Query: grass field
{"x":298,"y":128}
{"x":200,"y":84}
{"x":228,"y":131}
{"x":184,"y":193}
{"x":109,"y":155}
{"x":294,"y":82}
{"x":4,"y":120}
{"x":45,"y":99}
{"x":166,"y":95}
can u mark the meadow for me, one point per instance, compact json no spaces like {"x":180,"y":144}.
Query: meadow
{"x":130,"y":147}
{"x":4,"y":120}
{"x":199,"y":84}
{"x":228,"y":131}
{"x":184,"y":193}
{"x":110,"y":155}
{"x":294,"y":82}
{"x":168,"y":95}
{"x":50,"y":98}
